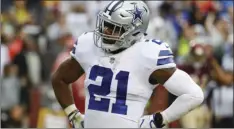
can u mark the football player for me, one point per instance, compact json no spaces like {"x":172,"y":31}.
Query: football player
{"x":122,"y":69}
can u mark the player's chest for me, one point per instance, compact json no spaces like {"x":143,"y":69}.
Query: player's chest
{"x":109,"y":68}
{"x":111,"y":71}
{"x":116,"y":63}
{"x":111,"y":80}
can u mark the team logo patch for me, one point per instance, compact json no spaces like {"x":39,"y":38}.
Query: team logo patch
{"x":137,"y":14}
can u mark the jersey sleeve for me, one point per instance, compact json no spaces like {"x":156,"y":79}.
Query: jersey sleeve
{"x":76,"y":51}
{"x":157,"y":55}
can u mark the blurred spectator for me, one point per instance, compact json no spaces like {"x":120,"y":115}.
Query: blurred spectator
{"x":25,"y":93}
{"x":197,"y":12}
{"x":15,"y":98}
{"x":220,"y":98}
{"x":218,"y":30}
{"x":16,"y":44}
{"x":188,"y":34}
{"x":36,"y":10}
{"x":19,"y":12}
{"x":29,"y":62}
{"x":230,"y":18}
{"x":196,"y":63}
{"x":51,"y":5}
{"x":206,"y":6}
{"x":77,"y":20}
{"x":68,"y":6}
{"x":161,"y":27}
{"x":15,"y":118}
{"x":5,"y":59}
{"x":5,"y":5}
{"x":225,"y":5}
{"x":10,"y":88}
{"x":154,"y":5}
{"x":76,"y":16}
{"x":57,"y":28}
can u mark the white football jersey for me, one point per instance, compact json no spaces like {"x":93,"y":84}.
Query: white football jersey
{"x":117,"y":86}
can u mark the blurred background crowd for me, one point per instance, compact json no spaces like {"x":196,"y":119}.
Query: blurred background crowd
{"x":37,"y":35}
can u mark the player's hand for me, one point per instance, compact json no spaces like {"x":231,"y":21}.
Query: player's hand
{"x":147,"y":121}
{"x":151,"y":121}
{"x":76,"y":119}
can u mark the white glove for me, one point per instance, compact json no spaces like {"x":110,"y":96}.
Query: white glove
{"x":146,"y":121}
{"x":75,"y":117}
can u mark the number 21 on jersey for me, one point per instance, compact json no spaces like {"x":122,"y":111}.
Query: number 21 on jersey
{"x":119,"y":107}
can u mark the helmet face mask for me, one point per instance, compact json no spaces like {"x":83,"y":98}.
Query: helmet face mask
{"x":109,"y":30}
{"x":116,"y":30}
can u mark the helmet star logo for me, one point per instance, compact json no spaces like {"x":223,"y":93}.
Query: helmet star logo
{"x":137,"y":14}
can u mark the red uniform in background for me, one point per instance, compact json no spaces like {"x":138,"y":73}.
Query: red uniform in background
{"x":197,"y":65}
{"x":199,"y":75}
{"x":15,"y":47}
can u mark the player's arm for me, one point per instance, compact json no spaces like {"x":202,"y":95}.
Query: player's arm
{"x":68,"y":72}
{"x":162,"y":70}
{"x":220,"y":75}
{"x":180,"y":84}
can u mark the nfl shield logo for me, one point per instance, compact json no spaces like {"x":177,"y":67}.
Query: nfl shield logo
{"x":112,"y":60}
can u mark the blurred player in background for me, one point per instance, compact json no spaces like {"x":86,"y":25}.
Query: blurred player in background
{"x":220,"y":97}
{"x":122,"y":69}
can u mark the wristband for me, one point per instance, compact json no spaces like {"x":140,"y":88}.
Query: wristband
{"x":68,"y":110}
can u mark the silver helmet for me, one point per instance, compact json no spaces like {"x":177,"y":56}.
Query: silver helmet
{"x":121,"y":24}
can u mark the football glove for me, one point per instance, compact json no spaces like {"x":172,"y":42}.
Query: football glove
{"x":76,"y":119}
{"x":151,"y":121}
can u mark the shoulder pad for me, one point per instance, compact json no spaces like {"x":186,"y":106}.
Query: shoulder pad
{"x":157,"y":54}
{"x":81,"y":45}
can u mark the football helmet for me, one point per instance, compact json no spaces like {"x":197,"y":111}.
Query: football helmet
{"x":121,"y":24}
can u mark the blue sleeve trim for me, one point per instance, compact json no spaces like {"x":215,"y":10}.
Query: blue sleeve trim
{"x":165,"y":61}
{"x":165,"y":53}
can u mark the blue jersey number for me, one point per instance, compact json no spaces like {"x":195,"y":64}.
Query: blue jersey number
{"x":119,"y":107}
